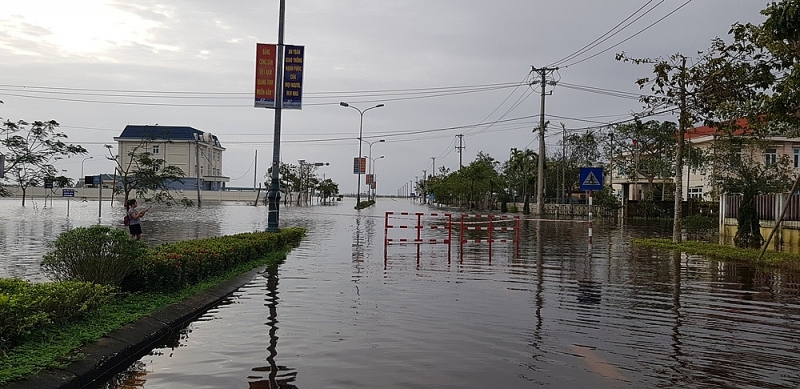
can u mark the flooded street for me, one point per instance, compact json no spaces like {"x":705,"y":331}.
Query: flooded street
{"x":343,"y":312}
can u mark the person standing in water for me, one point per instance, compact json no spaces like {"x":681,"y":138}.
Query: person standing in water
{"x":135,"y":215}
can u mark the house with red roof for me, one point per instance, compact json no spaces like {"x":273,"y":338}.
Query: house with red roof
{"x":697,"y":180}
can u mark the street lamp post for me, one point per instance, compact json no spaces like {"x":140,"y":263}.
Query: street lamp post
{"x":360,"y":132}
{"x":84,"y":160}
{"x":371,"y":169}
{"x":372,"y":172}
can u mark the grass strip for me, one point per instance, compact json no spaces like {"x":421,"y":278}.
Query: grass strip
{"x":722,"y":252}
{"x":55,"y":347}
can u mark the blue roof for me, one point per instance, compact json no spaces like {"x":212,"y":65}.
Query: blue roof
{"x":161,"y":132}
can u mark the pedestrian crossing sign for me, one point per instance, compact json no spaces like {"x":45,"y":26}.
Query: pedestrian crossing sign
{"x":591,"y":178}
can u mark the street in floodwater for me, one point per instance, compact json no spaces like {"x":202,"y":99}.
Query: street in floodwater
{"x":342,"y":312}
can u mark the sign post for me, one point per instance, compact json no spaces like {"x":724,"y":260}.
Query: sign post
{"x":591,"y":179}
{"x":68,"y":193}
{"x":97,"y":181}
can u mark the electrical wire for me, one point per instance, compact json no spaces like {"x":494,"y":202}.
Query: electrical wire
{"x":595,"y":42}
{"x":632,"y":36}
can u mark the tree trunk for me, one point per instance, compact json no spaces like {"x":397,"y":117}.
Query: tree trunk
{"x":748,"y":234}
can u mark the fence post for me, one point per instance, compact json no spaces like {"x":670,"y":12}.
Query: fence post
{"x":723,"y":198}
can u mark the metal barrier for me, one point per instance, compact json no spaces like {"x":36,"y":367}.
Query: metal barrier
{"x":420,"y":222}
{"x":490,"y":224}
{"x":498,"y":229}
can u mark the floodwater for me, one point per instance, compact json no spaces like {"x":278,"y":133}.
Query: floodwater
{"x":344,"y":311}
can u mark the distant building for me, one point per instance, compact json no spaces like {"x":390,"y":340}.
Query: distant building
{"x":697,"y":182}
{"x":197,"y":153}
{"x":698,"y":185}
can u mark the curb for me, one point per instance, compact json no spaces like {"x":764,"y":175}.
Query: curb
{"x":117,"y":350}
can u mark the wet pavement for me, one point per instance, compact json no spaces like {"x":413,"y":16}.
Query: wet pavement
{"x":343,"y":312}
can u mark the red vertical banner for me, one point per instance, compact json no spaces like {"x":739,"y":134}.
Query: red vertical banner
{"x":359,"y":165}
{"x":266,"y":57}
{"x":368,"y":179}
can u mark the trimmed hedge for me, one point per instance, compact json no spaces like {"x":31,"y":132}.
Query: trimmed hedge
{"x":26,"y":307}
{"x":176,"y":265}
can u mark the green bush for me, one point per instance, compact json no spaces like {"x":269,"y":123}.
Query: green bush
{"x":175,"y":265}
{"x":97,"y":254}
{"x":696,"y":224}
{"x":26,"y":307}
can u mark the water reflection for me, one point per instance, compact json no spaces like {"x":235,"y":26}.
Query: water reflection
{"x":559,"y":314}
{"x":279,"y":377}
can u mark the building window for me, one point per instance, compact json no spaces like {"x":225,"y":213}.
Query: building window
{"x":696,"y":192}
{"x":796,"y":158}
{"x":770,"y":156}
{"x":155,"y":149}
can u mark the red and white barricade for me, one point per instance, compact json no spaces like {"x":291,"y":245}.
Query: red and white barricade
{"x":498,"y":228}
{"x":420,"y":222}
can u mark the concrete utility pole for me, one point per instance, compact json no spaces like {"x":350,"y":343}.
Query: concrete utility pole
{"x":433,"y":172}
{"x":460,"y":148}
{"x":197,"y":166}
{"x":274,"y":194}
{"x":543,"y":72}
{"x":424,"y":186}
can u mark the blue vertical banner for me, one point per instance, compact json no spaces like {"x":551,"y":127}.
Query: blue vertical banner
{"x":293,"y":77}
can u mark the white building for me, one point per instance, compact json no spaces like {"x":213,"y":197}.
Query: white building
{"x":198,"y":154}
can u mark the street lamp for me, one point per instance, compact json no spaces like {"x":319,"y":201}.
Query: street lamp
{"x":360,"y":132}
{"x":373,"y":191}
{"x":371,"y":170}
{"x":84,"y":160}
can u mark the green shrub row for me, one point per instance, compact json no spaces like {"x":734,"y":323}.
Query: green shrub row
{"x":88,"y":264}
{"x":26,"y":307}
{"x":176,"y":265}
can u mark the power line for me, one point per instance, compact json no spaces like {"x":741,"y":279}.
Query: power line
{"x":632,"y":36}
{"x":598,"y":41}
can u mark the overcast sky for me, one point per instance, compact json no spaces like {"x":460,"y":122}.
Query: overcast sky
{"x":441,"y":67}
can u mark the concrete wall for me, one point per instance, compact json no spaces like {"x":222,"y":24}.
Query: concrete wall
{"x":91,"y":194}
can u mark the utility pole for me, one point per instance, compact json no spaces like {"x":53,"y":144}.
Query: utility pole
{"x":274,"y":194}
{"x":563,"y":161}
{"x":543,"y":72}
{"x":197,"y":166}
{"x":424,"y":186}
{"x":460,"y":148}
{"x":433,"y":172}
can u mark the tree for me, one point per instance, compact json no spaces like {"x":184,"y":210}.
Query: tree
{"x":327,"y":189}
{"x":741,"y":167}
{"x":577,"y":150}
{"x":474,"y":183}
{"x":289,"y":181}
{"x":32,"y":149}
{"x":769,"y":53}
{"x":753,"y":78}
{"x":674,"y":85}
{"x":645,"y":149}
{"x":520,"y":172}
{"x":150,"y":178}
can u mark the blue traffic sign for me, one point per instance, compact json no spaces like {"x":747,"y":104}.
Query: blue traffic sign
{"x":591,"y":178}
{"x":67,"y":192}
